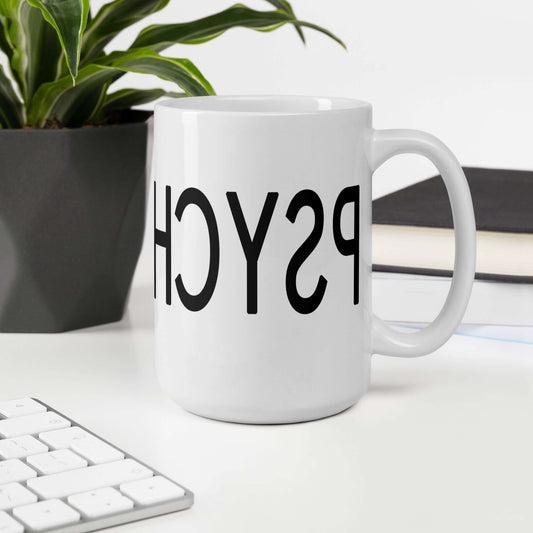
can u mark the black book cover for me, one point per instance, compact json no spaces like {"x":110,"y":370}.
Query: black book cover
{"x":503,"y":202}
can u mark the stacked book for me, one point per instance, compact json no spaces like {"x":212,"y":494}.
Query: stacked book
{"x":413,"y":249}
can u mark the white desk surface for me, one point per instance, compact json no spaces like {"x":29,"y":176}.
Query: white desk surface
{"x":442,"y":443}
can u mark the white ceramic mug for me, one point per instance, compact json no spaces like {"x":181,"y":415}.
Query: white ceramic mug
{"x":263,"y":254}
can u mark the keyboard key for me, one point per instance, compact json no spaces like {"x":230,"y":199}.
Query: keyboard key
{"x":96,"y":451}
{"x":83,"y":443}
{"x":14,"y":470}
{"x":150,"y":491}
{"x":63,"y":438}
{"x":100,"y":502}
{"x":56,"y":461}
{"x":87,"y":479}
{"x":20,"y":447}
{"x":20,"y":407}
{"x":45,"y":515}
{"x":9,"y":525}
{"x":13,"y":495}
{"x":32,"y":424}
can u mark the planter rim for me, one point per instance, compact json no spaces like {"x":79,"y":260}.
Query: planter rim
{"x":143,"y":115}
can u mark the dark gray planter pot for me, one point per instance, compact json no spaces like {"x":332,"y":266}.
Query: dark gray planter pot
{"x":72,"y":210}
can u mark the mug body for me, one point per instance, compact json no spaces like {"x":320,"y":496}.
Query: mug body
{"x":262,"y":255}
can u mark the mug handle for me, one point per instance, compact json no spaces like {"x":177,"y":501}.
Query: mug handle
{"x":383,"y":145}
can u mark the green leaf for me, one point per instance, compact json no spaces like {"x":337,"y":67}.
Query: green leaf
{"x":145,"y":61}
{"x":61,"y":103}
{"x":315,"y":27}
{"x":283,"y":5}
{"x":8,"y":8}
{"x":161,"y":36}
{"x":128,"y":98}
{"x":68,"y":18}
{"x":5,"y":45}
{"x":35,"y":49}
{"x":74,"y":106}
{"x":111,"y":20}
{"x":11,"y":113}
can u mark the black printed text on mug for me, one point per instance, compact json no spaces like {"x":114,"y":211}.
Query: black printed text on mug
{"x":253,"y":244}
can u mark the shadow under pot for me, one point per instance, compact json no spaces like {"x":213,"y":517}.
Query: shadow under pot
{"x":72,"y":212}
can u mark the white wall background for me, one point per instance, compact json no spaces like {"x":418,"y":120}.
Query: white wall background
{"x":461,"y":69}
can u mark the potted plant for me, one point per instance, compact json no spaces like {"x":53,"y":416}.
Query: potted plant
{"x":72,"y":152}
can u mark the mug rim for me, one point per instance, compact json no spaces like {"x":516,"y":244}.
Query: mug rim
{"x":263,"y":105}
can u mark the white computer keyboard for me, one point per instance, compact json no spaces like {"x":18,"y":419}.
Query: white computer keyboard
{"x":57,"y":476}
